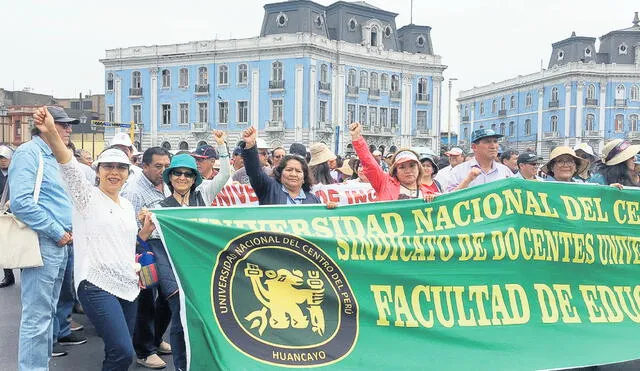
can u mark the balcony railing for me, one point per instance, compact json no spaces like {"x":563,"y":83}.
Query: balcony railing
{"x":551,"y":134}
{"x":274,"y":125}
{"x":276,"y":84}
{"x":202,"y":88}
{"x":135,"y":92}
{"x":324,"y":127}
{"x":353,"y":90}
{"x":590,"y":102}
{"x":502,"y":112}
{"x":423,"y":133}
{"x":621,"y":102}
{"x":554,"y":104}
{"x":395,"y":94}
{"x":200,"y":127}
{"x":325,"y":86}
{"x":374,"y":93}
{"x":422,"y":97}
{"x":593,"y":134}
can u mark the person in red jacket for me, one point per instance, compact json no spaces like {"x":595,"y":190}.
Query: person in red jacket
{"x":404,"y":178}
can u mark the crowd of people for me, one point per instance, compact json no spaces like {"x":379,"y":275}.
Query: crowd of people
{"x":93,"y":217}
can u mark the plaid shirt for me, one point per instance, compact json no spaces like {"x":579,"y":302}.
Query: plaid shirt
{"x":142,"y":193}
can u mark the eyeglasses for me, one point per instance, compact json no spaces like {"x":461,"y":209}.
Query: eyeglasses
{"x":264,"y":153}
{"x":565,"y":162}
{"x":187,"y":174}
{"x":111,"y":167}
{"x":65,"y":125}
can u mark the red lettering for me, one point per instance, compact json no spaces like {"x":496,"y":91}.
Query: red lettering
{"x":360,"y":197}
{"x":251,"y":193}
{"x":240,"y":193}
{"x":334,"y":196}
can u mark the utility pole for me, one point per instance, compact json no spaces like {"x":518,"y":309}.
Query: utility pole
{"x":451,"y":80}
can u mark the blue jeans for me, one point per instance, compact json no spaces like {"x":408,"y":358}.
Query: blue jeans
{"x":151,"y":322}
{"x":61,"y":325}
{"x":113,"y":319}
{"x":178,"y":347}
{"x":40,"y":288}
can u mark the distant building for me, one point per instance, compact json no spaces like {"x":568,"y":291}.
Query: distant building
{"x":312,"y":70}
{"x":585,"y":95}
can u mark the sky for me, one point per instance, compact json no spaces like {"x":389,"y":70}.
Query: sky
{"x":54,"y":47}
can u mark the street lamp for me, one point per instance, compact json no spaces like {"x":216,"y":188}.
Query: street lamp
{"x":451,"y":80}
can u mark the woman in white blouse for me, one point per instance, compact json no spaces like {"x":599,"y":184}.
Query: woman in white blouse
{"x":104,"y":233}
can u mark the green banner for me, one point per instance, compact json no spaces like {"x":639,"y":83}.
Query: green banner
{"x":512,"y":275}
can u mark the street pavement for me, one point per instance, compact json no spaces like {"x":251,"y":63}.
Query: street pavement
{"x":87,"y":356}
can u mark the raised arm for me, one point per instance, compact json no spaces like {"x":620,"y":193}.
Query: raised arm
{"x":210,"y":188}
{"x":370,"y":166}
{"x":260,"y":182}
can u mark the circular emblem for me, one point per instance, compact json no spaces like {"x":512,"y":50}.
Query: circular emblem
{"x":281,"y":300}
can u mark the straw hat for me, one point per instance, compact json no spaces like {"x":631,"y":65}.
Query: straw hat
{"x":618,"y":151}
{"x":582,"y":164}
{"x":320,"y":153}
{"x":345,"y":169}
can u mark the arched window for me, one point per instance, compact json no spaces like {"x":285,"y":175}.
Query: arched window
{"x":364,"y":80}
{"x":202,"y":143}
{"x":384,"y":82}
{"x":373,"y":81}
{"x":619,"y":123}
{"x":276,"y":71}
{"x":591,"y":91}
{"x":512,"y":105}
{"x":166,"y":145}
{"x":554,"y":124}
{"x":184,"y":146}
{"x":203,"y":76}
{"x":620,"y":91}
{"x":136,"y":80}
{"x":395,"y":83}
{"x":503,"y":104}
{"x":109,"y":81}
{"x":166,"y":79}
{"x":183,"y":79}
{"x":633,"y":122}
{"x":527,"y":127}
{"x":374,"y":36}
{"x":493,"y":127}
{"x":635,"y":93}
{"x":503,"y":128}
{"x":589,"y":121}
{"x":528,"y":100}
{"x":494,"y":106}
{"x":351,"y":79}
{"x":223,"y":75}
{"x":512,"y":129}
{"x":554,"y":94}
{"x":324,"y":73}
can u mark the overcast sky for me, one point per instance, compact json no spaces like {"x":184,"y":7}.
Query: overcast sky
{"x":53,"y":47}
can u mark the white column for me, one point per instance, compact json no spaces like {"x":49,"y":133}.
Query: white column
{"x":567,"y":112}
{"x":540,"y":123}
{"x":313,"y":92}
{"x":472,"y":118}
{"x":405,"y":108}
{"x":579,"y":109}
{"x":602,"y":119}
{"x":255,"y":98}
{"x":153,"y":93}
{"x":436,"y":109}
{"x":338,"y":84}
{"x":117,"y":103}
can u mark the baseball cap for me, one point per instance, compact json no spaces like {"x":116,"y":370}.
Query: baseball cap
{"x":584,"y":147}
{"x":237,"y":151}
{"x":528,"y":158}
{"x":111,"y":155}
{"x":484,"y":133}
{"x":121,"y":139}
{"x":59,"y":115}
{"x":6,"y":152}
{"x":377,"y":153}
{"x":205,"y":151}
{"x":455,"y":151}
{"x":298,"y":149}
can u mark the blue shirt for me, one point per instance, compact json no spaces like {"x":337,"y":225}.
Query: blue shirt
{"x":294,"y":201}
{"x":51,"y":216}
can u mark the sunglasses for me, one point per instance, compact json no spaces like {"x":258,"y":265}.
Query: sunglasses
{"x":264,"y":153}
{"x":111,"y":167}
{"x":187,"y":174}
{"x":65,"y":125}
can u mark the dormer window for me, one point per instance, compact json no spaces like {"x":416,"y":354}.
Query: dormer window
{"x":622,"y":49}
{"x":587,"y":52}
{"x":353,"y":24}
{"x":387,"y":32}
{"x":281,"y":20}
{"x":560,"y":55}
{"x":420,"y":41}
{"x":319,"y":21}
{"x":374,"y":36}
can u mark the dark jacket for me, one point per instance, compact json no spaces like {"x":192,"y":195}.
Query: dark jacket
{"x":268,"y":190}
{"x":195,"y":199}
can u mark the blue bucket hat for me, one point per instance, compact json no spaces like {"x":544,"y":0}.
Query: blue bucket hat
{"x":186,"y":161}
{"x":484,"y":133}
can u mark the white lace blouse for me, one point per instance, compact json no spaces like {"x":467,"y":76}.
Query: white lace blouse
{"x":104,"y":237}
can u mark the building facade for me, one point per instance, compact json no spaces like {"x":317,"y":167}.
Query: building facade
{"x":585,"y":95}
{"x":312,"y":70}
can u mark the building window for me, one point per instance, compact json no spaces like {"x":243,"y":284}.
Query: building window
{"x":384,"y":121}
{"x":387,"y":31}
{"x":184,"y":113}
{"x":183,"y":79}
{"x":493,"y":127}
{"x":465,"y":134}
{"x":109,"y":81}
{"x":203,"y":76}
{"x":166,"y":145}
{"x":635,"y":93}
{"x":373,"y":83}
{"x":318,"y":22}
{"x":503,"y":104}
{"x":384,"y":82}
{"x":494,"y":106}
{"x":281,"y":20}
{"x":466,"y":110}
{"x":421,"y":120}
{"x":243,"y":111}
{"x":203,"y":112}
{"x":588,"y":124}
{"x":166,"y":114}
{"x":554,"y":123}
{"x":243,"y":73}
{"x":620,"y":91}
{"x":503,"y":128}
{"x":166,"y":79}
{"x":324,"y":73}
{"x":512,"y":104}
{"x":351,"y":78}
{"x":422,"y":89}
{"x":364,"y":80}
{"x":619,"y":123}
{"x":276,"y":110}
{"x":395,"y":117}
{"x":223,"y":75}
{"x":622,"y":49}
{"x":374,"y":36}
{"x":395,"y":83}
{"x":322,"y":115}
{"x":527,"y":127}
{"x":560,"y":55}
{"x":223,"y":112}
{"x":183,"y":146}
{"x":352,"y":24}
{"x":362,"y":112}
{"x":554,"y":94}
{"x":136,"y":113}
{"x":591,"y":91}
{"x":276,"y":71}
{"x":482,"y":108}
{"x":111,"y":117}
{"x":373,"y":116}
{"x":136,"y":80}
{"x":633,"y":122}
{"x":351,"y":113}
{"x":420,"y":41}
{"x":512,"y":129}
{"x":528,"y":100}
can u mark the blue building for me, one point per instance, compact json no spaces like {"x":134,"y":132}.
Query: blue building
{"x":586,"y":95}
{"x":312,"y":70}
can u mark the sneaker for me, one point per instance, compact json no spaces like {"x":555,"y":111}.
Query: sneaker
{"x":72,"y":339}
{"x":164,"y":348}
{"x":75,"y":326}
{"x":58,"y":351}
{"x":153,"y":361}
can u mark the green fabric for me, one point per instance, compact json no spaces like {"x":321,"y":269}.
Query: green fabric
{"x":183,"y":160}
{"x":511,"y":275}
